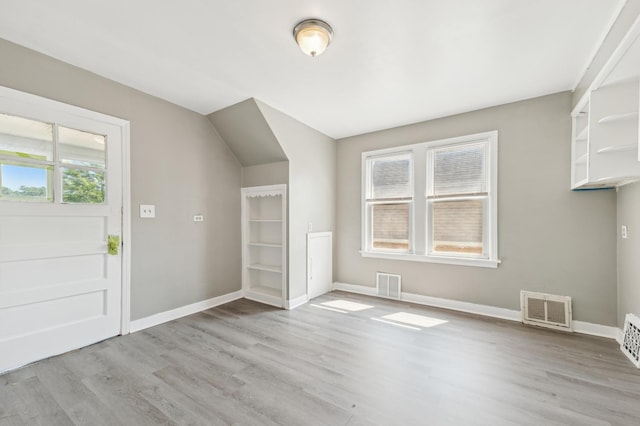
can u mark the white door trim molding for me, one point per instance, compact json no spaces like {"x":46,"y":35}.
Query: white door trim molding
{"x":42,"y":106}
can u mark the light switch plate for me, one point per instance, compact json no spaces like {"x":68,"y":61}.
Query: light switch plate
{"x":147,"y":211}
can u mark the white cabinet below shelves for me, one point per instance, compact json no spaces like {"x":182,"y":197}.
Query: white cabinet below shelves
{"x":264,"y":244}
{"x":605,"y":137}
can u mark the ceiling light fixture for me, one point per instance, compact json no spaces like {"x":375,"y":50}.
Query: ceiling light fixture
{"x":313,"y":36}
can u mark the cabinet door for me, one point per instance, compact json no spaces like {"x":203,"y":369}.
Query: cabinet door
{"x":319,"y":263}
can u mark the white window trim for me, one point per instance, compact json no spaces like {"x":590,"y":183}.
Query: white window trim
{"x":419,"y":237}
{"x":366,"y":213}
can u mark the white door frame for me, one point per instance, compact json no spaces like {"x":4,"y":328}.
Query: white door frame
{"x":39,"y":105}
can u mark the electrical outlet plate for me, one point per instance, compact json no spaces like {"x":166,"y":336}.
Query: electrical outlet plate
{"x":624,"y":232}
{"x":198,"y":218}
{"x":147,"y":211}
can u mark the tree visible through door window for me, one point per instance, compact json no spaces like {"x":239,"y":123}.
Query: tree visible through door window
{"x":45,"y":162}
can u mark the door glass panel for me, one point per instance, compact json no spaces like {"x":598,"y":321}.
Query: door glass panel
{"x":83,"y":186}
{"x":81,"y":148}
{"x":26,"y":182}
{"x":24,"y":138}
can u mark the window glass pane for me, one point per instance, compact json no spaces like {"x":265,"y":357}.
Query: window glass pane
{"x":26,"y":182}
{"x":391,"y":177}
{"x":390,"y":226}
{"x":457,"y":226}
{"x":459,"y":169}
{"x":81,"y":148}
{"x":83,"y":186}
{"x":24,"y":138}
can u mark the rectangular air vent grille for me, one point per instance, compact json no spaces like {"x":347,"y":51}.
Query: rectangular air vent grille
{"x":631,"y":339}
{"x":388,"y":285}
{"x":546,"y":310}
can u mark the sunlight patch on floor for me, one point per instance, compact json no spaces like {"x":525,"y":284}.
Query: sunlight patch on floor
{"x":346,"y":305}
{"x":396,"y":324}
{"x":328,"y":308}
{"x":409,"y":320}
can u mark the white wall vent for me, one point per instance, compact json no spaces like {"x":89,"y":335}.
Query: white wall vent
{"x":388,"y":285}
{"x":631,"y":339}
{"x":546,"y":310}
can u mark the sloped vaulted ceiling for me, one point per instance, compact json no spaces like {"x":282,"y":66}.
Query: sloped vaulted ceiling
{"x":248,"y":134}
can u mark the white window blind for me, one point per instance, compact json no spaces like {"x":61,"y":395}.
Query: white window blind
{"x":389,"y":198}
{"x":459,"y":170}
{"x":456,"y":199}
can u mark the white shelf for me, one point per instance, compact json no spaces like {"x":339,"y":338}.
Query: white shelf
{"x":268,"y":268}
{"x":265,"y":245}
{"x":618,"y":117}
{"x":582,"y":135}
{"x":266,"y":291}
{"x":582,"y":159}
{"x":617,"y":148}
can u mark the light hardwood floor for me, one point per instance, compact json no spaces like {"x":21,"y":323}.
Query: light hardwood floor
{"x":246,"y":363}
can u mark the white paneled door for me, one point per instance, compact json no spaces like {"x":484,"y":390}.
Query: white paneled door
{"x":60,"y":228}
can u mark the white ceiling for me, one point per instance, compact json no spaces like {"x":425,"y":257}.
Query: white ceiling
{"x":390,"y":62}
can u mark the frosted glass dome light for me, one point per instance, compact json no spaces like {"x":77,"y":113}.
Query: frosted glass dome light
{"x":313,"y":36}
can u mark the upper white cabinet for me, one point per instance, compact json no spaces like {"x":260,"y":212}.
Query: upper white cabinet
{"x":604,"y":145}
{"x":605,"y":137}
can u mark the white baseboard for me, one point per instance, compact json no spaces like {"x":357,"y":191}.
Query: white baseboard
{"x":359,"y":289}
{"x":183,"y":311}
{"x":597,"y":330}
{"x":294,"y":303}
{"x":488,"y":311}
{"x":455,"y":305}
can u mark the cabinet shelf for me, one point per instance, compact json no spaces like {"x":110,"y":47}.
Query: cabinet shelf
{"x":582,"y":135}
{"x":268,"y":268}
{"x":258,"y":244}
{"x":267,"y":291}
{"x":582,"y":159}
{"x":617,"y":148}
{"x":618,"y":117}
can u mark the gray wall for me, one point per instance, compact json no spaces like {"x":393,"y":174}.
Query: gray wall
{"x":550,"y":238}
{"x":245,"y":131}
{"x":629,"y":252}
{"x":178,"y":162}
{"x":266,"y":174}
{"x":312,"y":186}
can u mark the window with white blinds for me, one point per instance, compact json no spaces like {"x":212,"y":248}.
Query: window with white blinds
{"x":457,"y":192}
{"x":389,"y":198}
{"x":457,"y":220}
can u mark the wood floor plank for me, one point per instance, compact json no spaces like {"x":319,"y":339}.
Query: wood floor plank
{"x":251,"y":364}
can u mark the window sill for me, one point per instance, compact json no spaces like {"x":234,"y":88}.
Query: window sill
{"x":481,"y":263}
